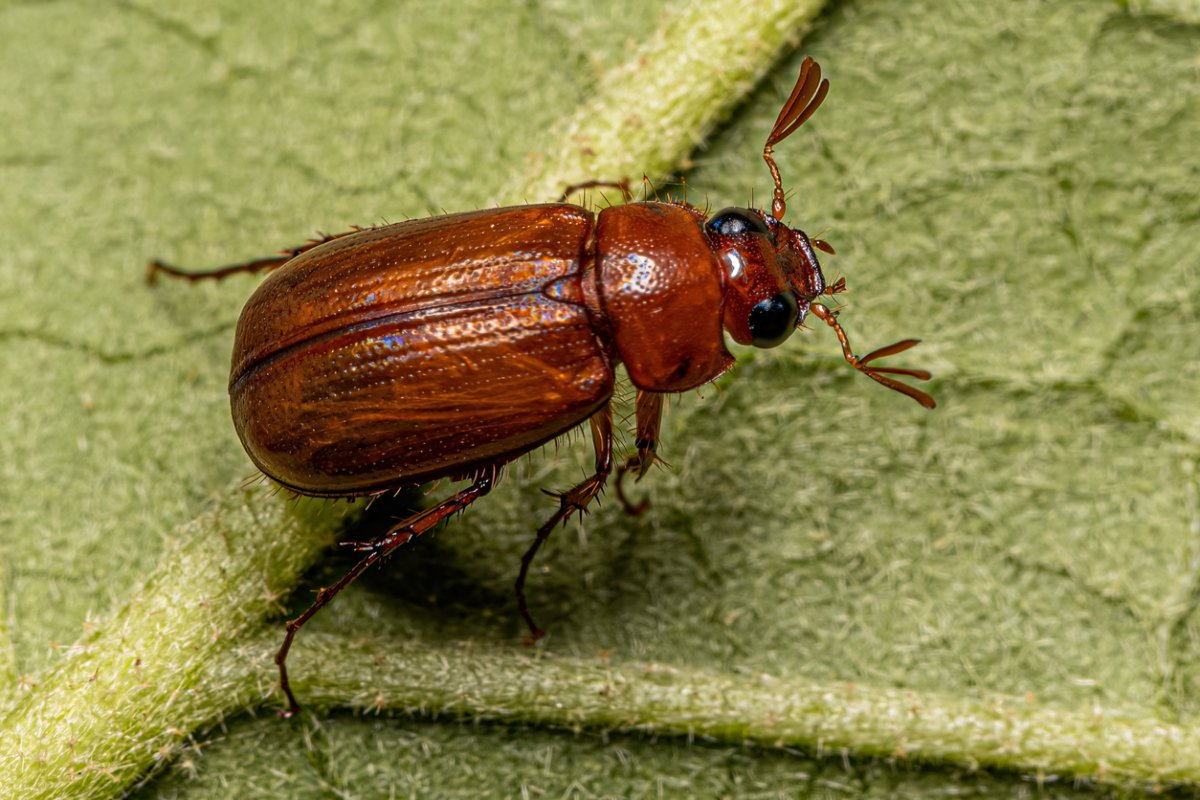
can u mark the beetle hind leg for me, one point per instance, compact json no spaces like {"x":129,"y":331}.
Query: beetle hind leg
{"x":156,"y":267}
{"x":575,"y":499}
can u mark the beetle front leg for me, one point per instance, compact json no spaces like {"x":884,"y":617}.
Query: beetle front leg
{"x":377,"y":551}
{"x":649,"y":420}
{"x":257,"y":265}
{"x":574,"y":499}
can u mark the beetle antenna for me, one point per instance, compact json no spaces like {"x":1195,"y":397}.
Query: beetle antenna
{"x":806,"y":97}
{"x":877,"y":373}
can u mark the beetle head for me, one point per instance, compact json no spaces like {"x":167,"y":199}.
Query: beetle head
{"x":772,"y":275}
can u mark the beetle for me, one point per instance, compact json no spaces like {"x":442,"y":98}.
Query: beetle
{"x":388,"y":357}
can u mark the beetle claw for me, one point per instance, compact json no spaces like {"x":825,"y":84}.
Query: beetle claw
{"x":532,"y":637}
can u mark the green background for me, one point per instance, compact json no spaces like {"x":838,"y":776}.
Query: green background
{"x":1016,"y":184}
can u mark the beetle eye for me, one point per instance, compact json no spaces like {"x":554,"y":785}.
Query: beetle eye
{"x":773,"y":320}
{"x":737,"y":222}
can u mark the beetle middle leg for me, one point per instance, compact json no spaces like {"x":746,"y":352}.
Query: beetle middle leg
{"x":257,"y":265}
{"x":377,"y":551}
{"x":649,"y":420}
{"x":574,"y":499}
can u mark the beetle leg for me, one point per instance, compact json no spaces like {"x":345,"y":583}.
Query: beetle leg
{"x":572,"y":500}
{"x":575,"y":187}
{"x":257,"y":265}
{"x":649,"y":420}
{"x":378,"y":550}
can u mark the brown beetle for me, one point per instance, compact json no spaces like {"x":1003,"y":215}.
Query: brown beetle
{"x":446,"y":347}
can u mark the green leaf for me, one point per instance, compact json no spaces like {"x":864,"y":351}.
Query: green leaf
{"x":884,"y":601}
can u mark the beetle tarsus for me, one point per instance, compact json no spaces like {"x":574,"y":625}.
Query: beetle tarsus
{"x":377,"y":551}
{"x":257,"y":265}
{"x":622,"y":185}
{"x":156,"y":267}
{"x":531,"y":638}
{"x":577,"y":498}
{"x":630,"y":508}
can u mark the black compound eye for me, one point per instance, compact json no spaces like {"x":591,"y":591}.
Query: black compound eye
{"x":738,"y":221}
{"x":773,"y":320}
